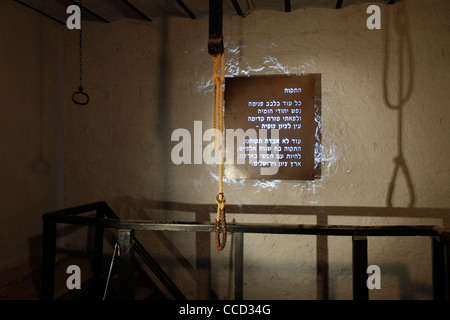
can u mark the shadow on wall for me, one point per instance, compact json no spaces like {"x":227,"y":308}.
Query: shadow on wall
{"x":164,"y":93}
{"x":200,"y":269}
{"x":398,"y":273}
{"x":397,"y":25}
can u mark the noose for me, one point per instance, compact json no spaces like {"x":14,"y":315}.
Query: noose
{"x":215,"y":49}
{"x":403,"y":96}
{"x":80,"y":97}
{"x":217,"y":79}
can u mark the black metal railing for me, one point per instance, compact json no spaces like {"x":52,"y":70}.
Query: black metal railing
{"x":105,"y":218}
{"x":128,"y":244}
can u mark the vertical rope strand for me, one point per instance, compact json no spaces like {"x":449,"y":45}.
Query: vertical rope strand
{"x":218,"y":79}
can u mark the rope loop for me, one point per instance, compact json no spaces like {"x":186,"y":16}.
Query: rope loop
{"x":221,"y":200}
{"x":221,"y":223}
{"x":80,"y":97}
{"x":221,"y":244}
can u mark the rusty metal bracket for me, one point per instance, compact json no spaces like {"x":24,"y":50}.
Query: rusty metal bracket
{"x":215,"y":41}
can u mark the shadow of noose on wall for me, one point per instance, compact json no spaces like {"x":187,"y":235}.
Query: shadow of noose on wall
{"x":404,"y":56}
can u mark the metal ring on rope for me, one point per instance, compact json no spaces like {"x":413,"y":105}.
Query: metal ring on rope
{"x":80,"y":97}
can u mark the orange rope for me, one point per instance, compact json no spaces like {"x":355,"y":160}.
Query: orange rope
{"x":218,"y":79}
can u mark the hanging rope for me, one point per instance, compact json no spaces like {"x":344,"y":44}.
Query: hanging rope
{"x":80,"y":52}
{"x":80,"y":97}
{"x":217,"y":123}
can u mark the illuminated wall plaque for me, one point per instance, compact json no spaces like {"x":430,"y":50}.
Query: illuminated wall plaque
{"x":289,"y":104}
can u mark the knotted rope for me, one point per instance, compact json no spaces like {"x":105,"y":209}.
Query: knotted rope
{"x":217,"y":123}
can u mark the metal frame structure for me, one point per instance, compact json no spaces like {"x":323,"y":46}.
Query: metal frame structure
{"x":128,"y":244}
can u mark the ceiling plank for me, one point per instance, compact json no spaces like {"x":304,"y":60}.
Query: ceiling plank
{"x":98,"y":17}
{"x":185,"y":8}
{"x":135,"y":9}
{"x":238,"y":8}
{"x":41,"y":12}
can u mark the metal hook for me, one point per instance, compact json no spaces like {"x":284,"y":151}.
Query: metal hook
{"x":80,"y":94}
